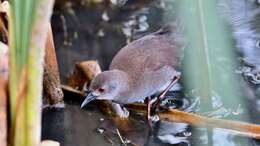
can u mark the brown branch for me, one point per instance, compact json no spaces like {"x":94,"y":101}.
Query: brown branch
{"x":241,"y":128}
{"x":173,"y":115}
{"x":72,"y":90}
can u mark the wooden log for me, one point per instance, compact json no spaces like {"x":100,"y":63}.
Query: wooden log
{"x":83,"y":73}
{"x":51,"y":79}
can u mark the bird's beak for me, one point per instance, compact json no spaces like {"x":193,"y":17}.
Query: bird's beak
{"x":89,"y":98}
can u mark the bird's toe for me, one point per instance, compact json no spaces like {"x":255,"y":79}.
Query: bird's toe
{"x":154,"y":118}
{"x":124,"y":113}
{"x":120,"y":111}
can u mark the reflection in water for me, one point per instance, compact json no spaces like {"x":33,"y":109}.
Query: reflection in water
{"x":135,"y":25}
{"x":173,"y":133}
{"x":137,"y":131}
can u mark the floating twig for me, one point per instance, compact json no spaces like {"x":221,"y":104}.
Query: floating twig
{"x":121,"y":138}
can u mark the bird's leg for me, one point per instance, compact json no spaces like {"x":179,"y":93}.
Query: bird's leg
{"x":161,"y":96}
{"x":120,"y":111}
{"x":148,"y":102}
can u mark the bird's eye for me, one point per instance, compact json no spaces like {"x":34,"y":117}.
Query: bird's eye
{"x":101,"y":90}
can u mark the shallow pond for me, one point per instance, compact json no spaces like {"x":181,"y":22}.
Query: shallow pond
{"x":84,"y":31}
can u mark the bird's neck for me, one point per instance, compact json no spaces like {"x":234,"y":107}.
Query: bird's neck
{"x":123,"y":78}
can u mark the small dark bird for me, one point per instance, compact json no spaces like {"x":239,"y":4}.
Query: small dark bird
{"x":140,"y":69}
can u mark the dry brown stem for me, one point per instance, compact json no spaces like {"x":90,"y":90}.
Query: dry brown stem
{"x":51,"y":78}
{"x":240,"y":128}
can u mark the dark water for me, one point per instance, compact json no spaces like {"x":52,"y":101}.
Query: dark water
{"x":82,"y":32}
{"x":87,"y":127}
{"x":85,"y":31}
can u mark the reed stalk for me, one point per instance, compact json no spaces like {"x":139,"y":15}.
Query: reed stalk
{"x":28,"y":26}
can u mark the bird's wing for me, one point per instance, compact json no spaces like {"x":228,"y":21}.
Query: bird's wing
{"x":152,"y":81}
{"x":151,"y":52}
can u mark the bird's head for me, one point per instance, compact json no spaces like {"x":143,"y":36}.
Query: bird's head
{"x":106,"y":86}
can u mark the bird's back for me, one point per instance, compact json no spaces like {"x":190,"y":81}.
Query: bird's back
{"x":150,"y":52}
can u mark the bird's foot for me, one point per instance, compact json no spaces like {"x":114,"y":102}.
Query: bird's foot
{"x":151,"y":120}
{"x":120,"y":111}
{"x":175,"y":79}
{"x":124,"y":114}
{"x":154,"y":118}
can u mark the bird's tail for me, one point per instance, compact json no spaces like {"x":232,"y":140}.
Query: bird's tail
{"x":169,"y":28}
{"x":174,"y":31}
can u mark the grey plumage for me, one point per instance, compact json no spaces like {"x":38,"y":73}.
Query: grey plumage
{"x":150,"y":63}
{"x":141,"y":68}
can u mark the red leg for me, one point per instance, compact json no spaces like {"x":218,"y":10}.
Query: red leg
{"x":161,"y":96}
{"x":148,"y":102}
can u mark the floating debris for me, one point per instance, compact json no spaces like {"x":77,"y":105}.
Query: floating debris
{"x":50,"y":106}
{"x":105,"y":16}
{"x":187,"y":133}
{"x":118,"y":2}
{"x":136,"y":25}
{"x":173,"y":133}
{"x":250,"y":74}
{"x":121,"y":138}
{"x":238,"y":110}
{"x":100,"y":130}
{"x":101,"y":119}
{"x":101,"y":33}
{"x":216,"y":101}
